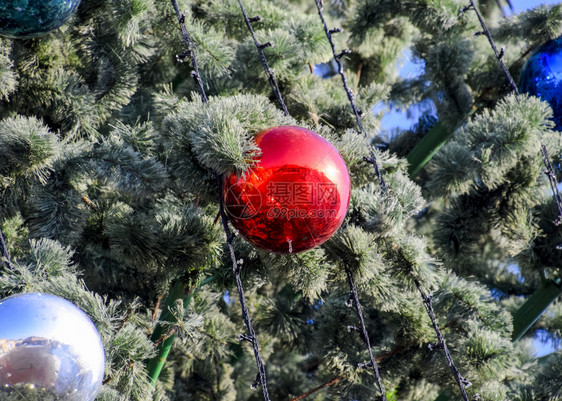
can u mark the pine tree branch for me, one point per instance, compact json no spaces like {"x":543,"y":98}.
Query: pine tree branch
{"x":428,"y":304}
{"x":355,"y":297}
{"x":337,"y":58}
{"x":167,"y":335}
{"x":4,"y":254}
{"x":237,"y":270}
{"x":156,"y":307}
{"x":546,"y":159}
{"x":125,"y":319}
{"x":191,"y":51}
{"x":268,"y":71}
{"x":394,"y":351}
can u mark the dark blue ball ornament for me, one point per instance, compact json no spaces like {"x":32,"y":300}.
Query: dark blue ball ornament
{"x":23,"y":19}
{"x":542,"y":77}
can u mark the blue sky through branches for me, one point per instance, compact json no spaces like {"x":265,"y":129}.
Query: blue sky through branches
{"x":521,"y":5}
{"x":395,"y":119}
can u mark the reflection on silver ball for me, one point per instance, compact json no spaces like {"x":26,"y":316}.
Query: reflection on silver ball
{"x":48,"y":344}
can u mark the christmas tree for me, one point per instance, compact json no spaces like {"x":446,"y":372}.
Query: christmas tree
{"x":119,"y":129}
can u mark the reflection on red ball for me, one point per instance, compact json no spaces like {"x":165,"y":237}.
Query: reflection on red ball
{"x":295,"y":198}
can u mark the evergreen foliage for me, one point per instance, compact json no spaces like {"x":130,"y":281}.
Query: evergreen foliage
{"x":108,"y":198}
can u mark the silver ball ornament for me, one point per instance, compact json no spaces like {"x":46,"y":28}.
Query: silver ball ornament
{"x":49,"y":345}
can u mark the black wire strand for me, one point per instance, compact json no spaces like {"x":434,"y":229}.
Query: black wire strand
{"x":549,"y":170}
{"x":499,"y":54}
{"x":428,"y":304}
{"x":337,"y":56}
{"x":268,"y":71}
{"x":355,"y":299}
{"x":191,"y":51}
{"x":236,"y":267}
{"x":372,"y":160}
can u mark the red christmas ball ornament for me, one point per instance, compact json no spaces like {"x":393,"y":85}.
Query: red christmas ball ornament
{"x":295,"y":198}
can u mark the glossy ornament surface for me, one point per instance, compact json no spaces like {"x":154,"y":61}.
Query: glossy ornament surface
{"x":48,"y":344}
{"x":295,"y":198}
{"x":542,"y":77}
{"x":23,"y":19}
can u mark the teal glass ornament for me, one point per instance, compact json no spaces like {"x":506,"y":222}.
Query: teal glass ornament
{"x":49,"y":349}
{"x":542,"y":77}
{"x":24,"y":19}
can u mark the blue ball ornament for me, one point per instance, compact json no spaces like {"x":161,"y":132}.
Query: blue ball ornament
{"x":22,"y":19}
{"x":48,"y":345}
{"x":542,"y":77}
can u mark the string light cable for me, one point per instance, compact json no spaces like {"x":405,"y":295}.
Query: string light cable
{"x":462,"y":382}
{"x":191,"y":53}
